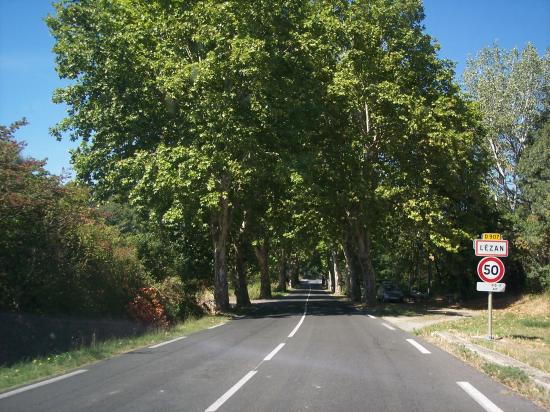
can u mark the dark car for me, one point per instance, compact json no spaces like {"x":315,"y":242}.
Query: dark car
{"x":388,"y":292}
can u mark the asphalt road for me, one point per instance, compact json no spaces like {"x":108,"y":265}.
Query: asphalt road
{"x":306,"y":352}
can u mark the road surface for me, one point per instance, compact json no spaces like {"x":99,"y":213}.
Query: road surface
{"x":306,"y":352}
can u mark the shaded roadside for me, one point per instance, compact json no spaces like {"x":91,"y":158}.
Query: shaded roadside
{"x":27,"y":336}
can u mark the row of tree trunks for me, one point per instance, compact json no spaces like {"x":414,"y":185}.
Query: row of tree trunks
{"x":293,"y":275}
{"x":219,"y":227}
{"x":337,"y":276}
{"x":240,"y":281}
{"x":261,"y":251}
{"x":368,"y":276}
{"x":353,"y":286}
{"x":282,"y":270}
{"x":331,"y":276}
{"x":361,"y":279}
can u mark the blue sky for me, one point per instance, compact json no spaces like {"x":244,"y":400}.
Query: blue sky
{"x":27,"y":75}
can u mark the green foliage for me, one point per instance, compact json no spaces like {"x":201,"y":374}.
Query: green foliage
{"x":533,"y":216}
{"x":57,"y":254}
{"x":510,"y":87}
{"x":296,"y":125}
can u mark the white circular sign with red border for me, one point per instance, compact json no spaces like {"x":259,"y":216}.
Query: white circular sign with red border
{"x":490,"y":269}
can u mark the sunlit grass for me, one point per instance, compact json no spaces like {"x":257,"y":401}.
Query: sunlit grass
{"x":254,"y":290}
{"x":524,"y":338}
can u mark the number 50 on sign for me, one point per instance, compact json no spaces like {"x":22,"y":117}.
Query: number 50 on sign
{"x":490,"y":269}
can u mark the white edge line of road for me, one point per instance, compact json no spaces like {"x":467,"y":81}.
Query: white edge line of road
{"x":480,"y":398}
{"x":217,"y":326}
{"x":274,"y":351}
{"x":372,"y":317}
{"x":158,"y":345}
{"x":222,"y":399}
{"x":418,"y":346}
{"x":388,"y":326}
{"x":39,"y":384}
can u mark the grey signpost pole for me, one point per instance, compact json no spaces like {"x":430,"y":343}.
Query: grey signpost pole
{"x":490,"y":337}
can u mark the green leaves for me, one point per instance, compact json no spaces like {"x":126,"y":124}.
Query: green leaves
{"x":510,"y":88}
{"x":300,"y":117}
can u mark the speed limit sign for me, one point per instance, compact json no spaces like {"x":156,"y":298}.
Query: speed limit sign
{"x":490,"y":269}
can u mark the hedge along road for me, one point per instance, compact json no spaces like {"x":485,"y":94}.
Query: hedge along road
{"x":337,"y":359}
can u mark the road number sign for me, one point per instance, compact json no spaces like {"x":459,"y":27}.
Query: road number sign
{"x":491,"y":236}
{"x":490,"y":269}
{"x":490,"y":287}
{"x":491,"y":247}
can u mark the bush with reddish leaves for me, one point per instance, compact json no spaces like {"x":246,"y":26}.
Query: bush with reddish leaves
{"x":147,"y":307}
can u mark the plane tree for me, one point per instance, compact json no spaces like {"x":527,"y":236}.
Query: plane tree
{"x":178,"y":103}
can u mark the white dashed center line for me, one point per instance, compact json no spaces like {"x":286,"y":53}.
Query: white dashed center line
{"x":372,"y":317}
{"x":388,"y":326}
{"x":249,"y":375}
{"x":222,"y":399}
{"x":274,"y":352}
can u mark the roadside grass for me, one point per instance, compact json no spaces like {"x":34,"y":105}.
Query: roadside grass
{"x":36,"y":369}
{"x":521,"y":334}
{"x":508,"y":374}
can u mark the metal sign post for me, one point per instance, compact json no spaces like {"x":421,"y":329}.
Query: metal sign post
{"x":490,"y":326}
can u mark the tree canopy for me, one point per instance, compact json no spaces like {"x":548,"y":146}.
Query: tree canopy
{"x":299,"y":130}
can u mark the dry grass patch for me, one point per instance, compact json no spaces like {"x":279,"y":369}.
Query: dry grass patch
{"x":522,"y":330}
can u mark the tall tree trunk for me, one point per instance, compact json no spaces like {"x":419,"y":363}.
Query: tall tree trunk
{"x":364,"y":255}
{"x":241,"y":283}
{"x":261,"y":252}
{"x":282,"y":272}
{"x":219,"y":227}
{"x":354,"y":291}
{"x":438,"y":275}
{"x":337,"y":275}
{"x":429,"y":291}
{"x":347,"y":275}
{"x":331,"y":276}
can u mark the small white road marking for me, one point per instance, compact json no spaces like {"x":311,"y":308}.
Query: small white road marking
{"x":418,"y":346}
{"x":372,"y":317}
{"x":230,"y":392}
{"x":158,"y":345}
{"x":480,"y":398}
{"x":388,"y":326}
{"x":217,"y":326}
{"x":274,"y":351}
{"x":39,"y":384}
